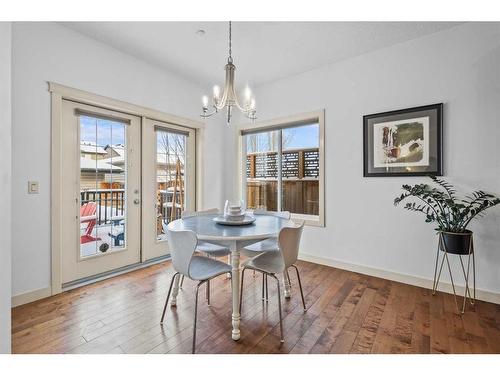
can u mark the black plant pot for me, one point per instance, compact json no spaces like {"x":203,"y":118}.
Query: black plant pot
{"x":457,"y":243}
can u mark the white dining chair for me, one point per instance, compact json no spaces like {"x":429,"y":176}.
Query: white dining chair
{"x":183,"y":246}
{"x":270,"y":244}
{"x":272,"y":262}
{"x":207,"y":248}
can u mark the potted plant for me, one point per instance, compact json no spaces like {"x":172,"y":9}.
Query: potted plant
{"x":440,"y":205}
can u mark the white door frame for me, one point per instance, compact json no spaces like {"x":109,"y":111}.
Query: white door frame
{"x":58,"y":93}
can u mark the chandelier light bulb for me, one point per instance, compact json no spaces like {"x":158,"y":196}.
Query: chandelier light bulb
{"x":252,"y":104}
{"x":204,"y":101}
{"x":216,"y":92}
{"x":248,"y":94}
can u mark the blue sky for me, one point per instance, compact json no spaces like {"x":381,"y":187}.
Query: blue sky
{"x":108,"y":132}
{"x":303,"y":137}
{"x":306,"y":136}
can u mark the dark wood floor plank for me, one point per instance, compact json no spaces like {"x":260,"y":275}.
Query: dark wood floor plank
{"x":347,"y":313}
{"x":341,"y":317}
{"x":345,"y":340}
{"x":440,"y":342}
{"x":366,"y":335}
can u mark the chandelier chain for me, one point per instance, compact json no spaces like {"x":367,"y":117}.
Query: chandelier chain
{"x":230,"y":37}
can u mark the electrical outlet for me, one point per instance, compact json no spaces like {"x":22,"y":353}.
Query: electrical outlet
{"x":32,"y":187}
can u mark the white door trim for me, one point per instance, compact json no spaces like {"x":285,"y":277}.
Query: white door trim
{"x":58,"y":94}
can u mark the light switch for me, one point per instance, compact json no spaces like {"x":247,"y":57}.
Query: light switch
{"x":32,"y":187}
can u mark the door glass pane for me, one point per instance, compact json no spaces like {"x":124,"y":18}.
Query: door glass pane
{"x":300,"y":169}
{"x":102,"y":186}
{"x":262,"y":170}
{"x":170,"y":178}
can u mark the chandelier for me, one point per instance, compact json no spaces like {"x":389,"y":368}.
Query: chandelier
{"x":228,"y":97}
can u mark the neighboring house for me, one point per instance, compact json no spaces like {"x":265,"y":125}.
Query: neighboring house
{"x":92,"y":151}
{"x":99,"y":174}
{"x":116,"y":153}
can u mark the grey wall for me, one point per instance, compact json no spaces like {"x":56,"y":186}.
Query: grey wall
{"x":50,"y":52}
{"x":460,"y":67}
{"x":5,"y":185}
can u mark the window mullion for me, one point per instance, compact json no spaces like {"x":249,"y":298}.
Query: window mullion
{"x":279,"y":162}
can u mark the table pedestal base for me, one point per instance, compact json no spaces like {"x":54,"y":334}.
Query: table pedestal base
{"x":235,"y":284}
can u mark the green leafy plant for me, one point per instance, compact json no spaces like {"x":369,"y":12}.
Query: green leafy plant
{"x":439,"y":204}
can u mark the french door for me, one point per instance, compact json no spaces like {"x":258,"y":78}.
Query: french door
{"x":124,"y":179}
{"x":168,"y":180}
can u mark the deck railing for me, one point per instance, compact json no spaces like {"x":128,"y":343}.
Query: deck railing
{"x":110,"y":202}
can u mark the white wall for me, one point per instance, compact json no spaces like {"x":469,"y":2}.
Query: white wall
{"x":5,"y":185}
{"x":50,"y":52}
{"x":460,"y":67}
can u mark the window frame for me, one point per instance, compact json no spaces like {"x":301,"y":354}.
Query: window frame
{"x":277,"y":124}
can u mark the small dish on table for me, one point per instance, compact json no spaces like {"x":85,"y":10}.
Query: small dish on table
{"x":244,"y":219}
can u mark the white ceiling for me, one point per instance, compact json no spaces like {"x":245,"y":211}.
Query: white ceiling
{"x":262,"y":51}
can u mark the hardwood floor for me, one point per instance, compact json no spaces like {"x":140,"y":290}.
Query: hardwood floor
{"x":347,"y":313}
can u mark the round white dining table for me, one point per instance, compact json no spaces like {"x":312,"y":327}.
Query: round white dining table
{"x":235,"y":238}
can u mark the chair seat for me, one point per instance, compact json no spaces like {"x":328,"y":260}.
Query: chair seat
{"x":271,"y":244}
{"x":271,"y":262}
{"x":212,"y":249}
{"x":203,"y":268}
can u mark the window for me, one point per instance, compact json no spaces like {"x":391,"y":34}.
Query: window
{"x":282,"y":163}
{"x":102,"y":185}
{"x":170,"y":178}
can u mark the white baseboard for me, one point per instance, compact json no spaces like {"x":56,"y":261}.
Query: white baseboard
{"x":483,"y":295}
{"x":31,"y":296}
{"x":34,"y":295}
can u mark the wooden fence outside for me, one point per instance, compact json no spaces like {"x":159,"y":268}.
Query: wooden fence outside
{"x":300,"y":181}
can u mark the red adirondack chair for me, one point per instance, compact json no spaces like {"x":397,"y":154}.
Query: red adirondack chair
{"x":88,"y":215}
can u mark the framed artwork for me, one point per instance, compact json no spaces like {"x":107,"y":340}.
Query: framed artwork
{"x":407,"y":142}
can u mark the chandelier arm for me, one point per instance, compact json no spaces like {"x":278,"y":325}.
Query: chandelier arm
{"x":206,"y":114}
{"x":221,"y":103}
{"x":237,"y":103}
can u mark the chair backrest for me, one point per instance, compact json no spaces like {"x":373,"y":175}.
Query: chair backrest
{"x":186,"y":214}
{"x":88,"y":209}
{"x":182,"y":245}
{"x":289,"y":242}
{"x":282,"y":214}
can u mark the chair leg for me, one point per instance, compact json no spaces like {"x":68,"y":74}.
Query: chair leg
{"x":168,"y":296}
{"x":263,"y":286}
{"x":182,"y":282}
{"x":195,"y":314}
{"x":208,"y":292}
{"x":300,"y":287}
{"x":279,"y":303}
{"x":241,"y":289}
{"x":267,"y":290}
{"x":288,"y":278}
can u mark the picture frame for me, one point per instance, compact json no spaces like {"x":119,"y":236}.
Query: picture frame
{"x":405,"y":142}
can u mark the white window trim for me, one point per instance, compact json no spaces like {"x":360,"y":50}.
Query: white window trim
{"x":318,"y":116}
{"x":60,"y":92}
